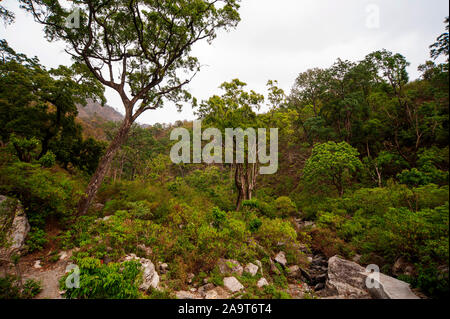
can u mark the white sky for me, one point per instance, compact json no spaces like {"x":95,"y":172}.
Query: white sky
{"x":276,"y":39}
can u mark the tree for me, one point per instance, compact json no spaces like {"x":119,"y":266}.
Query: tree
{"x":149,"y":41}
{"x":235,"y":109}
{"x":441,"y":46}
{"x":331,"y":163}
{"x":40,"y":105}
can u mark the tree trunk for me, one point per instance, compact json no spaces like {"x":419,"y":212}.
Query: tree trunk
{"x":103,"y":167}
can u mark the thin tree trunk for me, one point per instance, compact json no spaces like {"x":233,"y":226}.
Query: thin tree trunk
{"x":103,"y":166}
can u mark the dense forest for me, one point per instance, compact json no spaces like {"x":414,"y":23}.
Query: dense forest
{"x":363,"y":171}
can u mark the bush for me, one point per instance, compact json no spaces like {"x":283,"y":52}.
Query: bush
{"x":100,"y":281}
{"x":48,"y":160}
{"x":36,"y":239}
{"x":285,"y":207}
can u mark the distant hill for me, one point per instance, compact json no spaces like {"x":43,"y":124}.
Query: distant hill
{"x":93,"y":116}
{"x":94,"y":109}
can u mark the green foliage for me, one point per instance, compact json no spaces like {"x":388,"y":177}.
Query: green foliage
{"x":100,"y":281}
{"x":11,"y":288}
{"x":48,"y":160}
{"x":331,"y":163}
{"x":36,"y":239}
{"x":285,"y":207}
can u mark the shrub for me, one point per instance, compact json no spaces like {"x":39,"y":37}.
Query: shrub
{"x":100,"y":281}
{"x":285,"y":207}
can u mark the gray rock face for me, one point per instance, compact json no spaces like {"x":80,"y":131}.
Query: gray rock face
{"x":230,"y":266}
{"x":391,"y":288}
{"x":251,"y":269}
{"x":349,"y":280}
{"x":150,"y":277}
{"x":17,"y":231}
{"x":232,"y":284}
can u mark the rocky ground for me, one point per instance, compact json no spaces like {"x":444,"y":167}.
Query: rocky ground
{"x":333,"y":278}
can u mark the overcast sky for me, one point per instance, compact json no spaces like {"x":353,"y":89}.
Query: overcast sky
{"x":276,"y":39}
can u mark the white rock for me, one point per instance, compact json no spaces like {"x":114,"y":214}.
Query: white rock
{"x":37,"y":264}
{"x":251,"y":269}
{"x":232,"y":284}
{"x":62,"y":255}
{"x":262,"y":282}
{"x":212,"y":294}
{"x":150,"y":277}
{"x":185,"y":295}
{"x":18,"y":231}
{"x":281,"y":258}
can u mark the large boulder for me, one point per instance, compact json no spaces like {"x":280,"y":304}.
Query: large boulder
{"x":150,"y":277}
{"x":13,"y":223}
{"x":349,"y":280}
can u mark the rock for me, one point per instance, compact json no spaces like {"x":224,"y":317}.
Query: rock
{"x":259,"y":264}
{"x":63,"y":255}
{"x":294,"y":272}
{"x":185,"y":295}
{"x":217,"y":293}
{"x":147,"y":250}
{"x":310,"y":259}
{"x":281,"y":259}
{"x":232,"y":284}
{"x":402,"y":266}
{"x":190,"y":278}
{"x":251,"y":269}
{"x":262,"y":282}
{"x":319,"y":286}
{"x":106,"y":218}
{"x":17,"y":231}
{"x":211,"y":294}
{"x":163,"y":268}
{"x":348,"y":279}
{"x":356,"y":258}
{"x":230,"y":266}
{"x":193,"y":290}
{"x":273,"y":268}
{"x":37,"y":264}
{"x":150,"y":277}
{"x":391,"y":288}
{"x":204,"y":289}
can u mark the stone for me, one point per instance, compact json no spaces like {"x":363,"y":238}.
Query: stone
{"x":356,"y":258}
{"x":232,"y":284}
{"x":262,"y":282}
{"x":147,"y":250}
{"x":402,"y":266}
{"x":294,"y":272}
{"x":185,"y":295}
{"x":193,"y":290}
{"x":319,"y":286}
{"x":17,"y":231}
{"x":37,"y":264}
{"x":190,"y":278}
{"x":163,"y":268}
{"x":106,"y":218}
{"x":391,"y":288}
{"x":310,"y":259}
{"x":150,"y":277}
{"x":273,"y":268}
{"x":348,"y":279}
{"x":230,"y":266}
{"x":281,"y":258}
{"x":204,"y":289}
{"x":63,"y":255}
{"x":252,"y":269}
{"x":211,"y":295}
